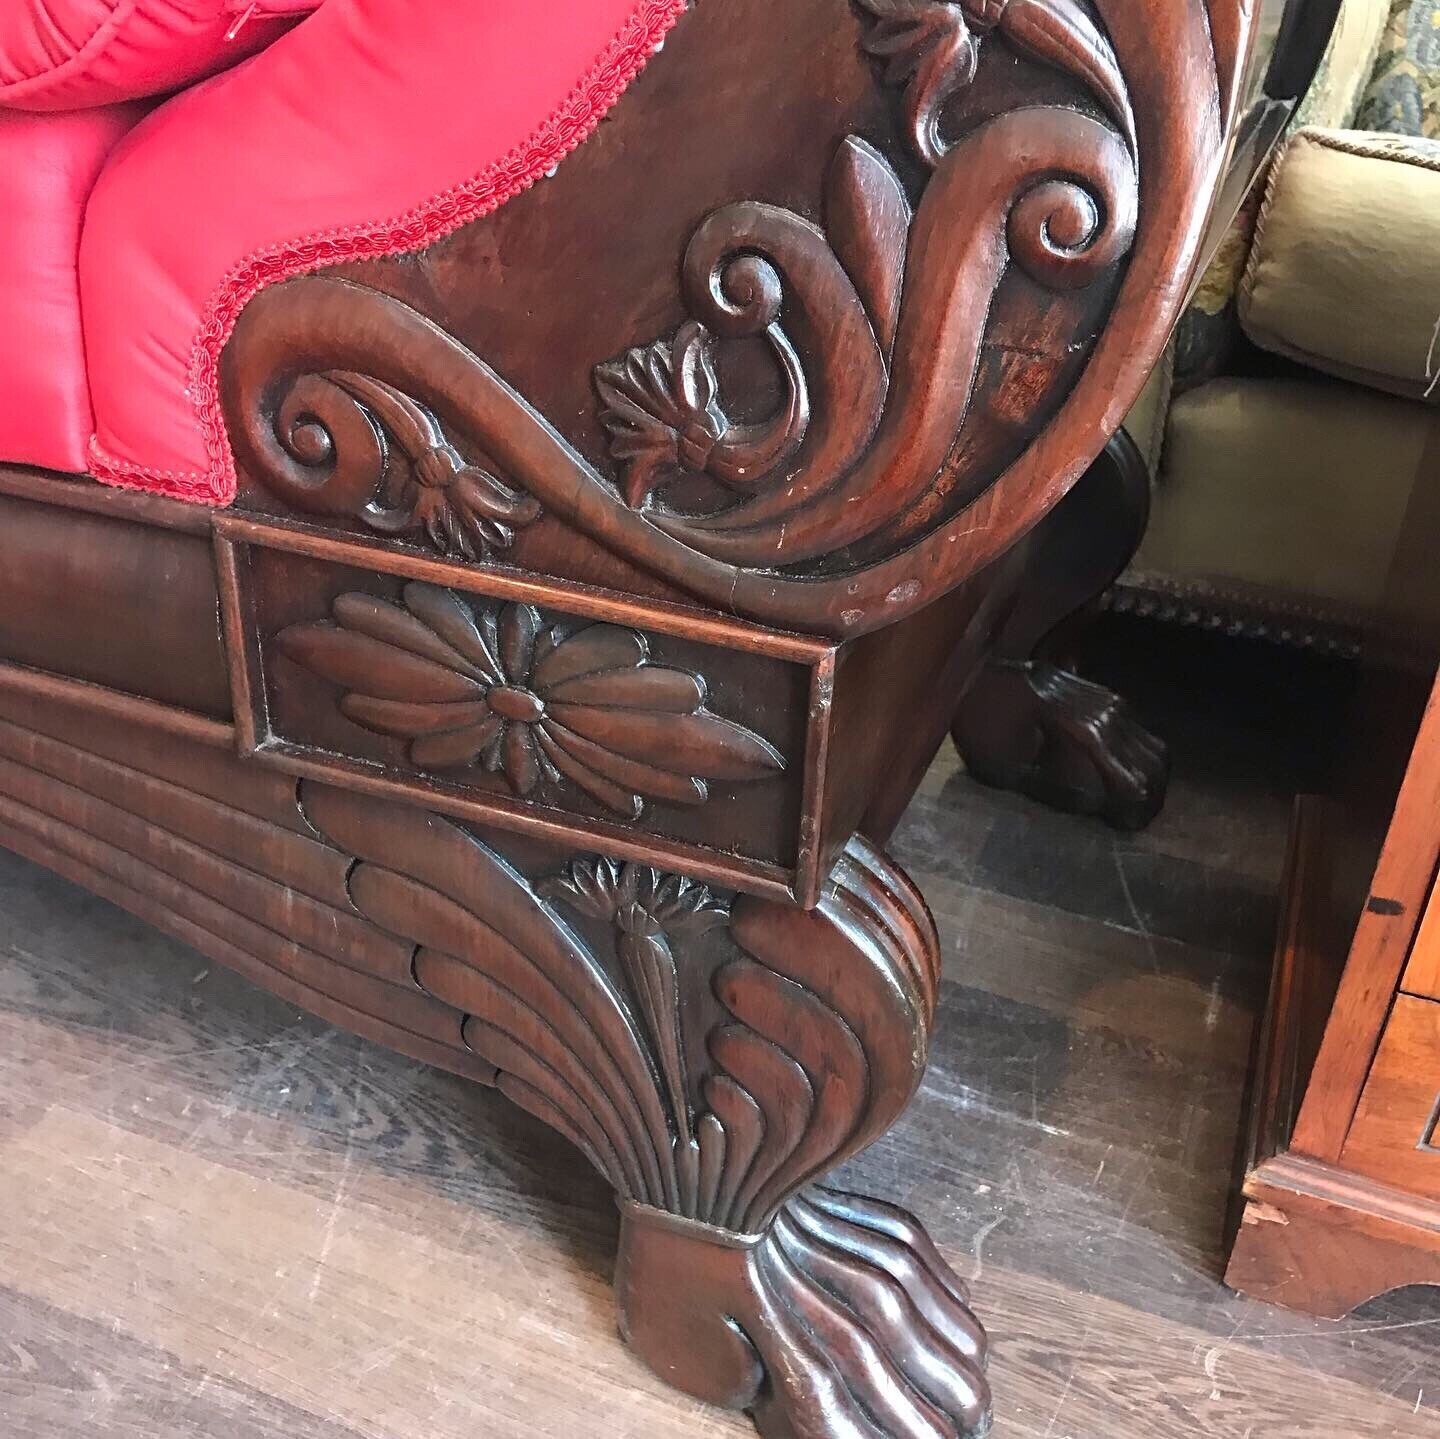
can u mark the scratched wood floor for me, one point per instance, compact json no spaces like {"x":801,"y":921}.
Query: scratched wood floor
{"x":221,"y":1219}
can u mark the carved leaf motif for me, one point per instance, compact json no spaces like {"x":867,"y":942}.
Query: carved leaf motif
{"x":1061,"y":33}
{"x":645,"y":907}
{"x":539,"y":1005}
{"x":931,"y":48}
{"x":928,"y":48}
{"x":530,"y":701}
{"x":983,"y":210}
{"x":867,"y":217}
{"x":659,"y":405}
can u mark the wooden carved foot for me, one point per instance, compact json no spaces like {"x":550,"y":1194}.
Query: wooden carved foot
{"x":713,"y":1057}
{"x":841,"y":1319}
{"x":1062,"y":740}
{"x":1028,"y":724}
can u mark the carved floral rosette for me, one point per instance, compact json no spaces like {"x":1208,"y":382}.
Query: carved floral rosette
{"x":528,"y":699}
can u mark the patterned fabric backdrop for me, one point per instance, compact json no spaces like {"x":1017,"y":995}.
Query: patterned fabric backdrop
{"x":1403,"y":97}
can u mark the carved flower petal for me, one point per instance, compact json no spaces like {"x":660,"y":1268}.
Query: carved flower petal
{"x":439,"y":609}
{"x":479,"y":493}
{"x":490,"y":629}
{"x":695,"y":744}
{"x":612,"y":796}
{"x":596,"y":647}
{"x":389,"y":623}
{"x":398,"y":717}
{"x":587,"y":886}
{"x":372,"y":667}
{"x":650,"y":687}
{"x":646,"y":470}
{"x":632,"y":774}
{"x":456,"y":748}
{"x":694,"y":378}
{"x":522,"y":766}
{"x":519,"y":624}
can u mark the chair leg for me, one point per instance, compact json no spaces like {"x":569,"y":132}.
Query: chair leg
{"x":1027,"y":723}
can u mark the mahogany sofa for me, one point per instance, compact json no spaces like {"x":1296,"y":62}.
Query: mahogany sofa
{"x":527,"y":586}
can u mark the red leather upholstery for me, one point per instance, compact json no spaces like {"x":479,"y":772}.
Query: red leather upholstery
{"x":64,"y":54}
{"x":48,"y":165}
{"x":376,"y":126}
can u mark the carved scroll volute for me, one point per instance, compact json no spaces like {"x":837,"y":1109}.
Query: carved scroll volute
{"x":887,"y":314}
{"x":1049,"y":190}
{"x":875,"y":321}
{"x":342,"y":443}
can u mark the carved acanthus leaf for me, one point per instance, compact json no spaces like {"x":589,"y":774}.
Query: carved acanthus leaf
{"x":857,"y":499}
{"x":658,"y":406}
{"x":645,"y":907}
{"x":931,"y":49}
{"x":803,"y":1072}
{"x":533,"y":701}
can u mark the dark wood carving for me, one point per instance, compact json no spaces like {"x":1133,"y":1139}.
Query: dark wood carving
{"x":499,"y":686}
{"x":712,"y":1055}
{"x":711,"y":1085}
{"x":339,"y":432}
{"x":1026,"y":721}
{"x":845,"y":487}
{"x":933,"y":50}
{"x":641,"y":729}
{"x":821,"y":365}
{"x":646,"y":908}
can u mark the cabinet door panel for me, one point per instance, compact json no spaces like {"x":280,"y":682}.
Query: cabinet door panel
{"x":1395,"y":1136}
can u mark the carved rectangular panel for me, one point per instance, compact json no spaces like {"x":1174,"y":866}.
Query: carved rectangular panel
{"x":644,"y":730}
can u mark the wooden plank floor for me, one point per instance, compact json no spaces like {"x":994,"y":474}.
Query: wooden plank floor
{"x":224,"y":1220}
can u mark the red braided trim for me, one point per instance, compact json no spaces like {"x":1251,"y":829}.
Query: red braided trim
{"x":574,"y":122}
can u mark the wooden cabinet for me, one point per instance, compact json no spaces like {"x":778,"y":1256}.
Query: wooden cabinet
{"x":1342,"y":1183}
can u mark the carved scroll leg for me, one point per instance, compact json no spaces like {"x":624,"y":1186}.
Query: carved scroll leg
{"x":1029,"y":725}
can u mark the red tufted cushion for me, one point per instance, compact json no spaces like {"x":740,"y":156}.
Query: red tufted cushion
{"x":64,"y":54}
{"x":48,"y":165}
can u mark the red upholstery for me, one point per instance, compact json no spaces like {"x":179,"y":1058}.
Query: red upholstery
{"x":64,"y":54}
{"x":362,"y":132}
{"x":48,"y":164}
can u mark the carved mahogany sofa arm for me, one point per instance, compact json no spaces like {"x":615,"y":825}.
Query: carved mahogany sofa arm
{"x":602,"y":575}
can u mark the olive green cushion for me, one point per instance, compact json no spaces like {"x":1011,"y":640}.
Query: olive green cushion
{"x":1204,"y":338}
{"x":1296,"y":486}
{"x":1145,"y":424}
{"x":1344,"y":271}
